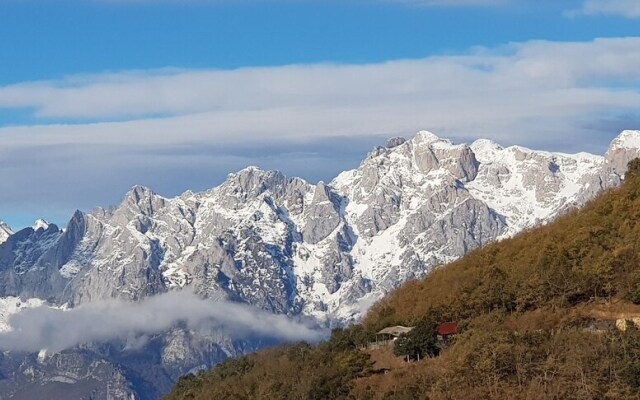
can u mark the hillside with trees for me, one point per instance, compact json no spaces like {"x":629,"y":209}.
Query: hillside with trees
{"x":541,"y":315}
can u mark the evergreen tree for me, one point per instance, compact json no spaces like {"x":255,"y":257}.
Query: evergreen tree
{"x":421,"y":341}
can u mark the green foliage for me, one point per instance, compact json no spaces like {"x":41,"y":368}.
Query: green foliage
{"x":420,"y":342}
{"x":234,"y":367}
{"x":633,"y":168}
{"x":633,"y":295}
{"x":298,"y":371}
{"x":350,"y":338}
{"x":629,"y":355}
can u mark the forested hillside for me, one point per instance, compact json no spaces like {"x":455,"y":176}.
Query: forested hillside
{"x":537,"y":320}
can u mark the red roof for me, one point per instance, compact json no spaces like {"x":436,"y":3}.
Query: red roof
{"x":448,"y":328}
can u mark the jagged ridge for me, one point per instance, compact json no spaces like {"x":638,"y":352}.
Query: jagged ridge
{"x":326,"y":250}
{"x":282,"y":244}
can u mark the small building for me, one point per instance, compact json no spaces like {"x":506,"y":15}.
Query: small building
{"x":447,"y":329}
{"x":389,"y":334}
{"x":395,"y":331}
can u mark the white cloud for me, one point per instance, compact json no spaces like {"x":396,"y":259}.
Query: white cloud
{"x":565,"y":96}
{"x":624,"y":8}
{"x":496,"y":90}
{"x":55,"y":330}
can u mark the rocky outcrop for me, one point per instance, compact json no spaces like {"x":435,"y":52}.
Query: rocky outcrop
{"x":322,"y":215}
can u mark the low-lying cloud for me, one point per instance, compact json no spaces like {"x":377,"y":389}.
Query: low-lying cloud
{"x":55,"y":329}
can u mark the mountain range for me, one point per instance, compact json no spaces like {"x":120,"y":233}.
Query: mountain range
{"x":326,"y":252}
{"x":551,"y":313}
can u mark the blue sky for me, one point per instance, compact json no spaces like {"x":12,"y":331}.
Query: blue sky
{"x":50,"y":39}
{"x":99,"y":95}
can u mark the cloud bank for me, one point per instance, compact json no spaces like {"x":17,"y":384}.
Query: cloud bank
{"x":55,"y":330}
{"x":91,"y":137}
{"x":494,"y":89}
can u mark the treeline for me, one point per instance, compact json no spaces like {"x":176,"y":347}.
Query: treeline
{"x":298,"y":371}
{"x":525,"y":306}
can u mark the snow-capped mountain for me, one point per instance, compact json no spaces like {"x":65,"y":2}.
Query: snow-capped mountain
{"x":5,"y":231}
{"x":292,"y":247}
{"x":327,"y":250}
{"x":40,"y":224}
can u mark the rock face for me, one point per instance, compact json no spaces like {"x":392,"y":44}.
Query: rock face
{"x":326,"y":251}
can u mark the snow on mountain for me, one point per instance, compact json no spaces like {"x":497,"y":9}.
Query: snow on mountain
{"x":624,"y":147}
{"x":40,"y":224}
{"x":627,"y":139}
{"x":13,"y":305}
{"x":326,"y":251}
{"x":427,"y":201}
{"x":528,"y":187}
{"x":5,"y":231}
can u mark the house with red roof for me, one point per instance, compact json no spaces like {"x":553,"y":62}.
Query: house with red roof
{"x":447,"y":329}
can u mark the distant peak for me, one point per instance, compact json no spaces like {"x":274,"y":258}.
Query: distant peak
{"x":253,"y":172}
{"x":427,"y":137}
{"x":628,"y":139}
{"x":5,"y":231}
{"x":486,"y":150}
{"x":40,"y":224}
{"x":624,"y":148}
{"x":395,"y":142}
{"x":139,"y":189}
{"x":251,"y":169}
{"x":486,"y":143}
{"x":5,"y":227}
{"x":139,"y":195}
{"x":254,"y":181}
{"x":139,"y":192}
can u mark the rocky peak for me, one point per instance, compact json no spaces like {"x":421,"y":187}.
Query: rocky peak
{"x":40,"y":224}
{"x":629,"y":139}
{"x":138,"y":193}
{"x":322,"y":215}
{"x":432,"y":153}
{"x":486,"y":151}
{"x":5,"y":231}
{"x":142,"y":200}
{"x":624,"y":148}
{"x":77,"y":225}
{"x":395,"y":142}
{"x":322,"y":193}
{"x":426,"y":137}
{"x":252,"y":181}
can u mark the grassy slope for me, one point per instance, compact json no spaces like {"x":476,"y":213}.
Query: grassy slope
{"x":525,"y":305}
